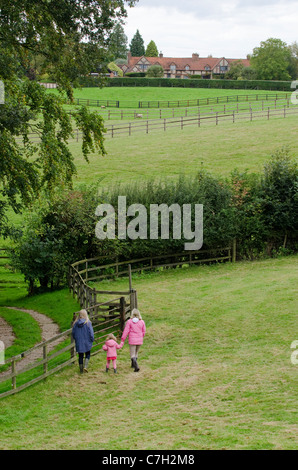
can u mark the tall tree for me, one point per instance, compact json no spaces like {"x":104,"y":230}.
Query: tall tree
{"x":118,"y":42}
{"x":151,"y":50}
{"x":272,"y":60}
{"x":70,"y":37}
{"x":294,"y":60}
{"x":136,"y":46}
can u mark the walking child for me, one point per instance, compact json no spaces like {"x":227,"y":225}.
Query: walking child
{"x":111,"y":347}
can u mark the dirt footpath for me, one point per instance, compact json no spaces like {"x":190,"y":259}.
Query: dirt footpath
{"x":48,"y":330}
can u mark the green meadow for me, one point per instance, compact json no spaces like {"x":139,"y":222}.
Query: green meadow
{"x":137,"y":94}
{"x":215,"y":367}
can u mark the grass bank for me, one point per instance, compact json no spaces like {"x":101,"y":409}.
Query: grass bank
{"x":215,"y":370}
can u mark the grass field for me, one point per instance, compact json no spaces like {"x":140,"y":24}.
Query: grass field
{"x":215,"y":366}
{"x":215,"y":370}
{"x":218,"y":149}
{"x":137,"y":94}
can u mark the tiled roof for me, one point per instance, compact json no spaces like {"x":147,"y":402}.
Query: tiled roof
{"x":194,"y":63}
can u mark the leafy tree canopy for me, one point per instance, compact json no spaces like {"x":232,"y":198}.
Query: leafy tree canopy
{"x":68,"y":37}
{"x":272,"y":60}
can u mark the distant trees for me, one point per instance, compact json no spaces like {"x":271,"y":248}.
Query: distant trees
{"x":235,"y":71}
{"x":118,"y":42}
{"x":136,"y":46}
{"x":151,"y":50}
{"x":272,"y":60}
{"x":294,"y":60}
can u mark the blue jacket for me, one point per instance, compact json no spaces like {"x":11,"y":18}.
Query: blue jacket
{"x":83,"y":335}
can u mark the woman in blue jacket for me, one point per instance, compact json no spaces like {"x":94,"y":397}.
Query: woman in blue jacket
{"x":83,"y":335}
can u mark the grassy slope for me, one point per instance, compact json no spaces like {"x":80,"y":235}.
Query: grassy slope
{"x":219,"y":149}
{"x":215,"y":371}
{"x":230,"y":384}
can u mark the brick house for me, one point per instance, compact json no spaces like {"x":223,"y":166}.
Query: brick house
{"x":182,"y":67}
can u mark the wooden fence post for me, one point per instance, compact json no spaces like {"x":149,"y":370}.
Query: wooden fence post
{"x":122,"y":313}
{"x":129,"y":277}
{"x":234,"y":250}
{"x":72,"y":349}
{"x":135,"y":299}
{"x":45,"y":355}
{"x":13,"y":370}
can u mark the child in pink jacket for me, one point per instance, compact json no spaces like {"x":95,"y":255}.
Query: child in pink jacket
{"x":135,"y":329}
{"x":111,"y":347}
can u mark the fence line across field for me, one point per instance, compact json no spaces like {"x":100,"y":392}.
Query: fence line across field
{"x":215,"y":118}
{"x":177,"y":103}
{"x":161,"y":113}
{"x":182,"y":121}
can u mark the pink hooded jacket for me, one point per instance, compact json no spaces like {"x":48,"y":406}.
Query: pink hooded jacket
{"x":111,"y":347}
{"x":135,"y":330}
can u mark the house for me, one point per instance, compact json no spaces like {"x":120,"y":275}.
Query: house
{"x":181,"y":67}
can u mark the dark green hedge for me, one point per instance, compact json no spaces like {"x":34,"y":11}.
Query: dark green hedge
{"x":189,"y":83}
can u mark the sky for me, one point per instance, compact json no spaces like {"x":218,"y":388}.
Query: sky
{"x":221,"y":28}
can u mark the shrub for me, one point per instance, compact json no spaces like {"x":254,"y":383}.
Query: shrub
{"x":56,"y":234}
{"x":260,"y":210}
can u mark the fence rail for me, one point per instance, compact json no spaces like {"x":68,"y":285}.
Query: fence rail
{"x":198,"y":119}
{"x":107,"y":317}
{"x":116,"y":268}
{"x":181,"y":122}
{"x":161,"y":113}
{"x":45,"y":363}
{"x":178,"y":103}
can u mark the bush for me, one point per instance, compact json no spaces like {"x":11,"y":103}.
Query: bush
{"x":56,"y":234}
{"x":155,"y":71}
{"x":260,"y":210}
{"x":213,"y":193}
{"x":267,"y":207}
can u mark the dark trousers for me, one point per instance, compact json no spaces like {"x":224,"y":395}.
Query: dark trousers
{"x":81,"y":356}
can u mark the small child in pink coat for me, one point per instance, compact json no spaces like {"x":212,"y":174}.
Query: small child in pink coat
{"x":111,"y":347}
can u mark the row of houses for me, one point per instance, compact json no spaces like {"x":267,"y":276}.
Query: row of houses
{"x":206,"y":67}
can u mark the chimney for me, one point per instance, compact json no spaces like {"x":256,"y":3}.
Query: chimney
{"x":160,"y":54}
{"x":195,"y":56}
{"x":128,"y":57}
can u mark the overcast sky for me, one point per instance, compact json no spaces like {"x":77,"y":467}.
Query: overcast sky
{"x":229,"y":28}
